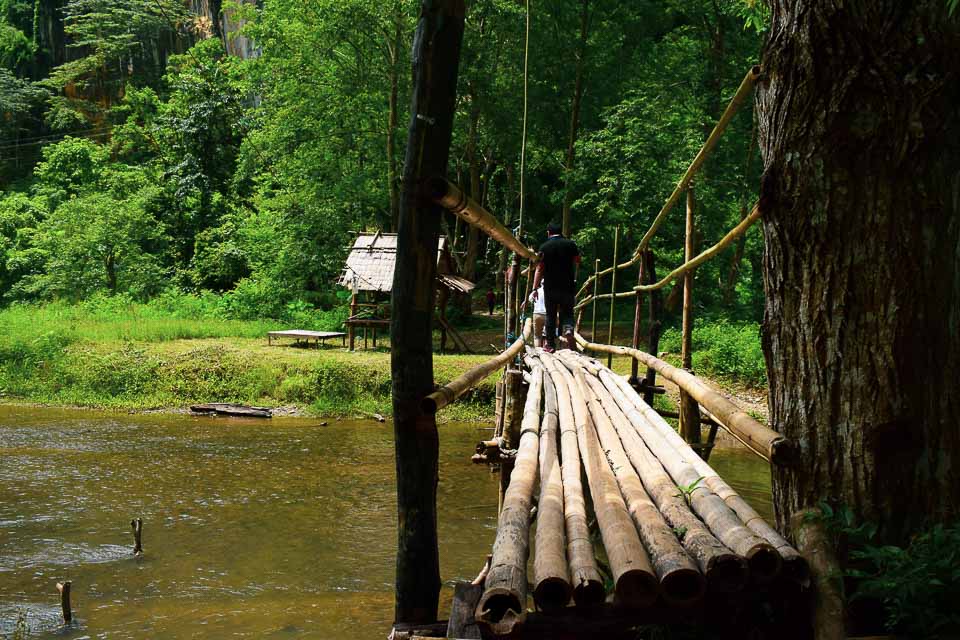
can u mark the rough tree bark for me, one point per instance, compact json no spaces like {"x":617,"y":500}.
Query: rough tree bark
{"x":436,"y":56}
{"x":859,"y":129}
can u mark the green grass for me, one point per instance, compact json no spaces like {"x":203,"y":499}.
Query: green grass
{"x":729,"y":351}
{"x":139,"y":357}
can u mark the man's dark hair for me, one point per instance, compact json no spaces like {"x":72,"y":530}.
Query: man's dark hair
{"x":554,"y":229}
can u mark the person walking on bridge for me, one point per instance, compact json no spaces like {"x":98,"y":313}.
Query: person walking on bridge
{"x":556,"y":269}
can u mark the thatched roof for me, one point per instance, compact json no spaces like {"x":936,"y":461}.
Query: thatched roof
{"x":373,"y":256}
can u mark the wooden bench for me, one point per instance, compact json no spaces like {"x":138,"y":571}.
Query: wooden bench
{"x":299,"y":334}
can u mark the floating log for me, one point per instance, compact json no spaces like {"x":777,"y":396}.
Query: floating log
{"x":137,"y":525}
{"x":761,"y":439}
{"x":584,"y":576}
{"x":503,"y":604}
{"x":227,"y":409}
{"x":64,"y":589}
{"x":793,"y":563}
{"x":551,"y":573}
{"x":681,"y":582}
{"x":762,"y":557}
{"x":458,"y":386}
{"x":635,"y":583}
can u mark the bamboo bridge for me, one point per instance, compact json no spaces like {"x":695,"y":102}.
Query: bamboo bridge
{"x":627,"y":522}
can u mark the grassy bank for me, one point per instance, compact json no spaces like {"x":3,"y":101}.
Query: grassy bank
{"x":140,"y":358}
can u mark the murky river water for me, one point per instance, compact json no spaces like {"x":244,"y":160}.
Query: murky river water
{"x":252,"y":529}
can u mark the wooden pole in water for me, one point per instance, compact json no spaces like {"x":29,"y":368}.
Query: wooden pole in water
{"x":64,"y":589}
{"x":596,"y":284}
{"x":137,"y":525}
{"x":634,"y":365}
{"x":436,"y":58}
{"x":584,"y":576}
{"x":613,"y":291}
{"x":653,"y":326}
{"x":503,"y":604}
{"x":689,"y":409}
{"x":551,"y":572}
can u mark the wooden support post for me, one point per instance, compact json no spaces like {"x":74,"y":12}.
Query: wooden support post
{"x":350,"y":329}
{"x":634,"y":364}
{"x":814,"y":544}
{"x":137,"y":525}
{"x":374,"y":337}
{"x":514,"y":392}
{"x":653,"y":326}
{"x":596,"y":290}
{"x":364,"y":337}
{"x":689,"y":409}
{"x":436,"y":58}
{"x":64,"y":589}
{"x":613,"y":292}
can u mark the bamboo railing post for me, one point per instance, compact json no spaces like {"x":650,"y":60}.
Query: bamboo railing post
{"x":596,"y":284}
{"x":64,"y":589}
{"x":613,"y":291}
{"x":653,"y":326}
{"x":514,"y":394}
{"x":634,"y":363}
{"x":137,"y":525}
{"x":689,"y":409}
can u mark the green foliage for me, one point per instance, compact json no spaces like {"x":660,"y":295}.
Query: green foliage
{"x":686,"y":491}
{"x":724,"y":349}
{"x":16,"y":50}
{"x":917,"y":585}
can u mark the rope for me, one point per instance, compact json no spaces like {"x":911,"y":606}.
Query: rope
{"x":523,"y":136}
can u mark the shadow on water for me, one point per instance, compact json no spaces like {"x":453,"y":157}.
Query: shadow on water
{"x":278,"y":529}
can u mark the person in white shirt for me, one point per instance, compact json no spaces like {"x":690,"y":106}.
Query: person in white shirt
{"x":539,"y":302}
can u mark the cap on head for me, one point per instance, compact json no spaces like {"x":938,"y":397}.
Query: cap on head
{"x":554,"y":229}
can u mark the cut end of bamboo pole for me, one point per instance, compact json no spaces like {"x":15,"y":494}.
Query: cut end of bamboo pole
{"x":683,"y":587}
{"x":727,"y":573}
{"x":588,"y":593}
{"x":437,"y":188}
{"x":637,"y":589}
{"x":552,"y":594}
{"x":764,"y":562}
{"x":429,"y":405}
{"x":796,"y":568}
{"x":501,"y":611}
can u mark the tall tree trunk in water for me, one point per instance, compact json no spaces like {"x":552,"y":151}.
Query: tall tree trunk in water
{"x":436,"y":57}
{"x":392,"y":120}
{"x":581,"y":55}
{"x":473,"y":234}
{"x":859,"y":129}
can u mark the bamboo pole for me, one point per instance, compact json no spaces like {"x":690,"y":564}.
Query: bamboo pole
{"x":593,"y":325}
{"x":584,"y":576}
{"x":551,"y":573}
{"x":503,"y":604}
{"x":137,"y":525}
{"x":689,"y":409}
{"x":681,"y":582}
{"x":746,"y":86}
{"x":460,"y":385}
{"x":451,"y":198}
{"x":613,"y":291}
{"x":635,"y":584}
{"x":634,"y":365}
{"x":762,"y":557}
{"x":654,"y":310}
{"x":794,"y":564}
{"x":757,"y":437}
{"x":64,"y":589}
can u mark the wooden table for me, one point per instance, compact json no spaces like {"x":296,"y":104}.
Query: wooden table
{"x":299,"y":334}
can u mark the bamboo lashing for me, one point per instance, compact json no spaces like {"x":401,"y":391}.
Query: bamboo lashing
{"x":635,"y":583}
{"x":681,"y":582}
{"x":551,"y":572}
{"x":451,"y":198}
{"x":584,"y":575}
{"x":460,"y":385}
{"x":503,"y":604}
{"x":757,"y":437}
{"x":744,"y":90}
{"x":686,"y":267}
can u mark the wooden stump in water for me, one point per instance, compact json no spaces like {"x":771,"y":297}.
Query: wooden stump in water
{"x":137,"y":526}
{"x":64,"y":589}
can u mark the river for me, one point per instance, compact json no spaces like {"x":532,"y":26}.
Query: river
{"x":279,"y":528}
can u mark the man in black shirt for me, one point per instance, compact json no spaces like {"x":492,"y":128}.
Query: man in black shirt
{"x":557,"y":269}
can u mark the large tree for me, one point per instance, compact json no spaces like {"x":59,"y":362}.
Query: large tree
{"x":859,"y":127}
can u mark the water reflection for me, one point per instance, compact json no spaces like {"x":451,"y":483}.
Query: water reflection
{"x":279,"y":528}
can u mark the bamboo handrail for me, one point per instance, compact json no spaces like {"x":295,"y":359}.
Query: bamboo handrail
{"x":686,"y":267}
{"x":759,"y":438}
{"x":451,"y":198}
{"x":746,"y":86}
{"x":460,"y":385}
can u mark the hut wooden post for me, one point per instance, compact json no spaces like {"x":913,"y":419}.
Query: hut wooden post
{"x":634,"y":363}
{"x":596,"y":289}
{"x":64,"y":589}
{"x":653,"y":326}
{"x":436,"y":58}
{"x":689,"y":409}
{"x":613,"y":292}
{"x":353,"y":311}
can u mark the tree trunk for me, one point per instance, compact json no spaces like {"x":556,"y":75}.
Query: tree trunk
{"x":436,"y":57}
{"x":581,"y":56}
{"x":859,"y":129}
